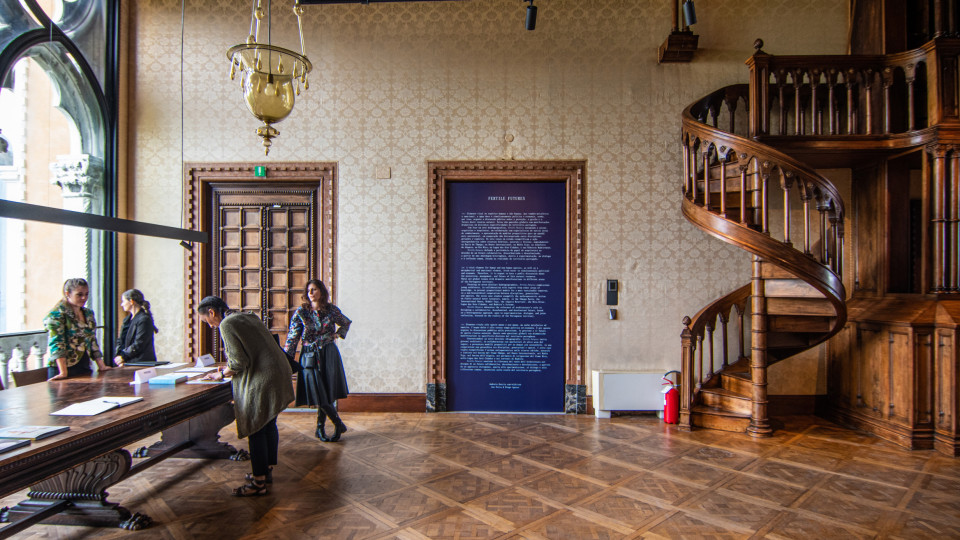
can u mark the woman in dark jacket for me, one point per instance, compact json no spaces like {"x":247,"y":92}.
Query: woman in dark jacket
{"x":136,"y":335}
{"x":322,"y":381}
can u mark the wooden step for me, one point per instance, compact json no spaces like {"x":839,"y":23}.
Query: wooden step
{"x":799,"y":306}
{"x":771,"y":271}
{"x":726,"y":400}
{"x":789,"y":288}
{"x":799,"y":323}
{"x":711,"y":418}
{"x":737,"y":382}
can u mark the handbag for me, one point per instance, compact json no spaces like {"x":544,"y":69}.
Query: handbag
{"x":309,"y":357}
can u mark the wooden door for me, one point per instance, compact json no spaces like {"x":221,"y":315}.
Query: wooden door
{"x":267,"y":238}
{"x":263,"y":252}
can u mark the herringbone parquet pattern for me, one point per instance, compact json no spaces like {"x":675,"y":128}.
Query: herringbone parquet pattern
{"x":416,"y":476}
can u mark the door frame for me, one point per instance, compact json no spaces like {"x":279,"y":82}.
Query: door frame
{"x":199,"y":180}
{"x":573,"y":174}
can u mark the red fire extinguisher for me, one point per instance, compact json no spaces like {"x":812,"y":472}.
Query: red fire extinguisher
{"x":671,"y":400}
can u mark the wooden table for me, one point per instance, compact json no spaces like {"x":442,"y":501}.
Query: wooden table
{"x":69,"y":473}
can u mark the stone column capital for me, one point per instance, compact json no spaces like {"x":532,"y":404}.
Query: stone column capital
{"x":78,"y":175}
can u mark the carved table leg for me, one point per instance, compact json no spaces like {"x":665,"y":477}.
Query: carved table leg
{"x":203,"y":430}
{"x":85,"y":487}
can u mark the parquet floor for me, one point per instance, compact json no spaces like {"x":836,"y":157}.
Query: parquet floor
{"x":457,"y":476}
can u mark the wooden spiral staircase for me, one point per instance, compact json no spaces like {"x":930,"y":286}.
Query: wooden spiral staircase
{"x":744,"y":184}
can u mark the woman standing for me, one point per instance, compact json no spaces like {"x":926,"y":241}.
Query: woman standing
{"x":322,"y":382}
{"x":136,"y":335}
{"x":72,"y":334}
{"x":261,"y":385}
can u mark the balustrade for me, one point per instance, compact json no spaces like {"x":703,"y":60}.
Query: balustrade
{"x":21,"y":351}
{"x":705,"y":343}
{"x":853,"y":95}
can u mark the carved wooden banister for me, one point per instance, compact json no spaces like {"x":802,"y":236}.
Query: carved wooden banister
{"x":854,"y":95}
{"x":766,"y":202}
{"x":697,"y":335}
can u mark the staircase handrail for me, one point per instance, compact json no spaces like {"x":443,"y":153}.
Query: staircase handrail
{"x":759,"y":242}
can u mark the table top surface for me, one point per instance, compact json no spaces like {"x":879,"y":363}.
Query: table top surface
{"x":31,"y":405}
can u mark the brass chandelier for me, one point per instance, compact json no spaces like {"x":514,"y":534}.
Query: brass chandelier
{"x":270,"y":76}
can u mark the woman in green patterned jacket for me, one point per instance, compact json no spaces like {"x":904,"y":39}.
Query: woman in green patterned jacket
{"x":72,"y":334}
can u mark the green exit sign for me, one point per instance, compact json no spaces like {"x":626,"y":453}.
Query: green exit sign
{"x":260,"y":171}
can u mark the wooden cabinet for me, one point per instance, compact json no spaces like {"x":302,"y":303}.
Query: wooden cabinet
{"x":893,"y":372}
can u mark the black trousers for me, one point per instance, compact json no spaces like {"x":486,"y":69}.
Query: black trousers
{"x":263,"y":448}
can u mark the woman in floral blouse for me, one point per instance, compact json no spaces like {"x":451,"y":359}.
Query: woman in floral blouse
{"x":322,"y":382}
{"x":72,"y":341}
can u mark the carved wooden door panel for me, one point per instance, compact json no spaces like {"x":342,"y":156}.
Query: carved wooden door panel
{"x":267,"y":238}
{"x":263,"y":255}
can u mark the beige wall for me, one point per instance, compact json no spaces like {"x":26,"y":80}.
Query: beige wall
{"x":397,"y":85}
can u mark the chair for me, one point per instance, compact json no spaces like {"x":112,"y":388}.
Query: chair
{"x":31,"y":376}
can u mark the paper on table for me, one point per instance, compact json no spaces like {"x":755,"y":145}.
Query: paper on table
{"x":96,"y":406}
{"x":31,"y":432}
{"x":13,"y":444}
{"x":120,"y":401}
{"x":174,"y":365}
{"x":86,"y":408}
{"x":197,"y":370}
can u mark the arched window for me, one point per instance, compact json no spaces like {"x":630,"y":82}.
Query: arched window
{"x":58,"y":128}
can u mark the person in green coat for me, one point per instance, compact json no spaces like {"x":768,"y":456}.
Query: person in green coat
{"x":262,"y":385}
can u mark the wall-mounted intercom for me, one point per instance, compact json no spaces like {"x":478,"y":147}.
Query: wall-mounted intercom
{"x":613,"y":292}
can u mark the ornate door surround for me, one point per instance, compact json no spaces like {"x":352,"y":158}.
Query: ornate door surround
{"x":573,"y":174}
{"x":285,"y":183}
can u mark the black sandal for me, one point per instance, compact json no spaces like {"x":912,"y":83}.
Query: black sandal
{"x":253,"y":489}
{"x":268,"y":480}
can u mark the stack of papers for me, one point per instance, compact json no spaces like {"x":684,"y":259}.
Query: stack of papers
{"x":96,"y":406}
{"x":169,"y":378}
{"x":30,"y":432}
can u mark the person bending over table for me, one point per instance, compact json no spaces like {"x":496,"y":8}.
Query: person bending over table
{"x":72,"y":334}
{"x":261,"y":385}
{"x":136,"y":335}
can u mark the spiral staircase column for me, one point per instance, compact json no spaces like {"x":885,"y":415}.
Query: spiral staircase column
{"x":759,"y":421}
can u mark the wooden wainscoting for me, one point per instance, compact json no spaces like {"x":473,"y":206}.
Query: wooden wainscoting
{"x":893,"y":371}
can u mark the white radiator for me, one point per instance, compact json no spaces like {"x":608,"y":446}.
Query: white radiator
{"x":626,"y":391}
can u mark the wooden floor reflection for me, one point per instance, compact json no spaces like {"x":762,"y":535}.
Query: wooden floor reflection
{"x":415,"y":476}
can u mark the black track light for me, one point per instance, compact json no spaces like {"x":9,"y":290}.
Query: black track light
{"x":689,"y":13}
{"x":531,"y":15}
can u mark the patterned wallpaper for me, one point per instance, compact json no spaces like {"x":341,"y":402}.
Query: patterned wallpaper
{"x":396,"y":85}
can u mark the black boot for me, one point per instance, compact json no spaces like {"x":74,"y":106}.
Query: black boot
{"x":338,"y":424}
{"x":321,"y":432}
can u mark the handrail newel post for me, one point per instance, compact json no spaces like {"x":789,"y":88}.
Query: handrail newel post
{"x":686,"y":374}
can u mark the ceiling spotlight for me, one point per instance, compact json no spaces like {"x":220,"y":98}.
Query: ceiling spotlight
{"x":531,"y":15}
{"x":689,"y":14}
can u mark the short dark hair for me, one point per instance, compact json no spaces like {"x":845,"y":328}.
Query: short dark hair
{"x":213,"y":302}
